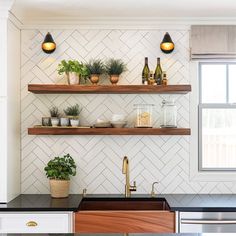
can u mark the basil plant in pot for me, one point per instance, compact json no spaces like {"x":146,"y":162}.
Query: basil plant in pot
{"x":114,"y":68}
{"x":59,"y":171}
{"x":73,"y":70}
{"x":95,"y":69}
{"x":72,"y":113}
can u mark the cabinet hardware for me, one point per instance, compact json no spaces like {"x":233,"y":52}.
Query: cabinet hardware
{"x":31,"y":224}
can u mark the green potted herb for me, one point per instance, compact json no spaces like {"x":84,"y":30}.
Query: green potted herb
{"x":72,"y":113}
{"x":114,"y":68}
{"x":59,"y":171}
{"x":54,"y":116}
{"x":95,"y":69}
{"x":73,"y":70}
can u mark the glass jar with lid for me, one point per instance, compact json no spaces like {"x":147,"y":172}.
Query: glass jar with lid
{"x":169,"y":114}
{"x":143,"y":115}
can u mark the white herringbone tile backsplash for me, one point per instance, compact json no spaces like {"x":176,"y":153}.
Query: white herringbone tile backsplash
{"x":99,"y":158}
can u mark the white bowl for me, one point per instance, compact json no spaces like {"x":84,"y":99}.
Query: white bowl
{"x":118,"y":118}
{"x":119,"y":124}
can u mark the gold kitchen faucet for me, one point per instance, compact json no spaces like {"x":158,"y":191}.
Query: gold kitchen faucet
{"x":125,"y":170}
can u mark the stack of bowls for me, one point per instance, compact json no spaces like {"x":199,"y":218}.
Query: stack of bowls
{"x":118,"y":121}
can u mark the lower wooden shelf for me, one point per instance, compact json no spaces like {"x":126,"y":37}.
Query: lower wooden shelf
{"x":108,"y":131}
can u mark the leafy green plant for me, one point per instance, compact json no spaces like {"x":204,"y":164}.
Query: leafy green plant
{"x":54,"y":112}
{"x":61,"y":168}
{"x":95,"y":67}
{"x":115,"y":67}
{"x":72,"y":66}
{"x":73,"y":110}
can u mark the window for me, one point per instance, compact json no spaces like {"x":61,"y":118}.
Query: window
{"x":217,"y":116}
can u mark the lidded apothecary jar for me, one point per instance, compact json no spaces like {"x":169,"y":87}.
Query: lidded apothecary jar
{"x":169,"y":114}
{"x":143,"y":115}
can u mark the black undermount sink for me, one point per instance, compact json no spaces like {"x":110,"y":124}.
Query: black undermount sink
{"x":115,"y":204}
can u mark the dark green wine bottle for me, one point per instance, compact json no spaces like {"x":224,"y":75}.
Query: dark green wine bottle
{"x":146,"y":72}
{"x":158,"y":72}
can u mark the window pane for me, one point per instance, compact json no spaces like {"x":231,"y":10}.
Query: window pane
{"x":219,"y":138}
{"x":232,"y":83}
{"x":213,"y":83}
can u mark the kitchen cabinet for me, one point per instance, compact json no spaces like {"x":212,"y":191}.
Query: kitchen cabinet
{"x":124,"y":222}
{"x":36,"y":222}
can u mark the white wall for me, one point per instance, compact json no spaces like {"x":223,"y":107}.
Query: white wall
{"x":99,"y":158}
{"x":13,"y":110}
{"x":10,"y":111}
{"x":3,"y":122}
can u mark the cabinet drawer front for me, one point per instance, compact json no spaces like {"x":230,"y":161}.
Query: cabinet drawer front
{"x":124,"y":222}
{"x":34,"y":223}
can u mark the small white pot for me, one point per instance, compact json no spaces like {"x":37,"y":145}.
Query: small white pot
{"x":54,"y":121}
{"x":64,"y":121}
{"x":74,"y":122}
{"x":73,"y":78}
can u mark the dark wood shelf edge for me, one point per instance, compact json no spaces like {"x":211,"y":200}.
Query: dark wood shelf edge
{"x":108,"y":89}
{"x":108,"y":131}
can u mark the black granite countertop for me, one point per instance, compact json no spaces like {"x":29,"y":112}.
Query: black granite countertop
{"x":42,"y":202}
{"x":177,"y":202}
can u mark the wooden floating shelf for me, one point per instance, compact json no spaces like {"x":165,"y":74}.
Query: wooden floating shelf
{"x":108,"y":89}
{"x":108,"y":131}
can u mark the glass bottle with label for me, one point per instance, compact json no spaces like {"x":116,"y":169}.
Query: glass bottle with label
{"x":158,"y":72}
{"x":164,"y":78}
{"x":146,"y":72}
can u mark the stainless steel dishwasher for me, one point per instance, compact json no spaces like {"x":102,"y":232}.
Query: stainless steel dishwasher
{"x":207,"y":222}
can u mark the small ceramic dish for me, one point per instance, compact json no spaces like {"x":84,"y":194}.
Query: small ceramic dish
{"x":119,"y":124}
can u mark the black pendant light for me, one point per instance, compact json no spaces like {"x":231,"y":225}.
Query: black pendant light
{"x":167,"y":45}
{"x":48,"y":45}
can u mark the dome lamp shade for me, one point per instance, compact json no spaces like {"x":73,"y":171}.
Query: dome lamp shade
{"x":48,"y":45}
{"x":167,"y":45}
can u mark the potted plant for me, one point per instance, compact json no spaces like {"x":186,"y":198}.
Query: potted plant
{"x":95,"y":69}
{"x":54,"y":116}
{"x":59,"y":171}
{"x":72,"y":113}
{"x":114,"y":68}
{"x":73,"y":70}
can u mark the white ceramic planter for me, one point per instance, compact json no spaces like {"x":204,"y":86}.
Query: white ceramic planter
{"x":73,"y":78}
{"x":74,"y":122}
{"x":64,"y":121}
{"x":54,"y":121}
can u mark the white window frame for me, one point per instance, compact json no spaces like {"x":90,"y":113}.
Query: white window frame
{"x":202,"y":105}
{"x":195,"y":173}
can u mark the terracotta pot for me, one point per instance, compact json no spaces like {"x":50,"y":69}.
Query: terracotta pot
{"x":94,"y":79}
{"x":59,"y":188}
{"x":114,"y":79}
{"x":72,"y":78}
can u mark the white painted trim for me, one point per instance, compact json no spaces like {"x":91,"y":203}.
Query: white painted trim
{"x":5,"y":7}
{"x":15,"y":21}
{"x":150,"y":23}
{"x":195,"y":174}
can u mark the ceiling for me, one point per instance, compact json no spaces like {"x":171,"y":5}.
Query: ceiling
{"x":72,"y":9}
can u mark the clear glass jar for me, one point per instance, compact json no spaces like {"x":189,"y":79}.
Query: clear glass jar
{"x":143,"y":115}
{"x":169,"y":114}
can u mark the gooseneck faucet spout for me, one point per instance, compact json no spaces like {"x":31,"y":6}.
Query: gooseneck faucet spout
{"x":125,"y":171}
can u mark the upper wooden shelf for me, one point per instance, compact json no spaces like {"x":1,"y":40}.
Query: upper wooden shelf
{"x":107,"y":131}
{"x":108,"y":89}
